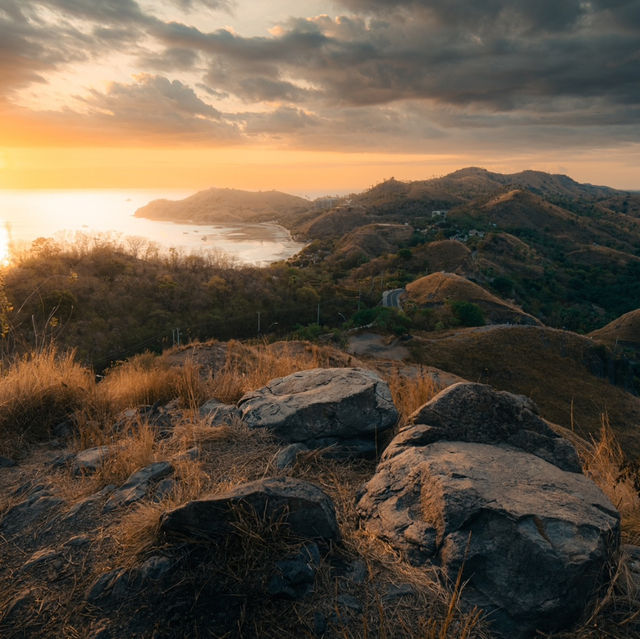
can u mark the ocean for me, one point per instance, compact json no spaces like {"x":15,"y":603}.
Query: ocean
{"x":26,"y":215}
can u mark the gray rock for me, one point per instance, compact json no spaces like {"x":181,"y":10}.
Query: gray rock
{"x":630,"y":556}
{"x":295,"y":576}
{"x":87,"y":462}
{"x":5,"y":462}
{"x":159,"y":417}
{"x":152,"y":570}
{"x":216,"y":413}
{"x":60,"y":461}
{"x":82,"y":506}
{"x":538,"y":540}
{"x":163,"y":489}
{"x":105,"y":585}
{"x":120,"y":583}
{"x":324,"y":406}
{"x":477,"y":413}
{"x":306,"y":510}
{"x":19,"y":605}
{"x":138,"y":484}
{"x":287,"y":456}
{"x":26,"y":513}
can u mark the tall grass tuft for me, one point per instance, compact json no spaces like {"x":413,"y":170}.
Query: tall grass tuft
{"x":37,"y":392}
{"x":246,"y":369}
{"x":606,"y":463}
{"x":143,"y":379}
{"x":409,"y":393}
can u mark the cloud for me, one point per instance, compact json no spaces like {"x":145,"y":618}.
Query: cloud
{"x":171,"y":59}
{"x":154,"y":107}
{"x":397,"y":74}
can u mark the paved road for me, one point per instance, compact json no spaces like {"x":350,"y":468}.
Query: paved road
{"x":392,"y":297}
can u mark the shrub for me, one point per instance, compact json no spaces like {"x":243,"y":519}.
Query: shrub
{"x":467,"y":313}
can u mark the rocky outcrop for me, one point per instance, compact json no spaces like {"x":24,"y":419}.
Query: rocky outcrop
{"x":478,"y":482}
{"x":469,"y":412}
{"x":304,"y":509}
{"x":345,"y":408}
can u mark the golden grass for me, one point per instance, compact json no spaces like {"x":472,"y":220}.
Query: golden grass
{"x":143,"y":379}
{"x":410,"y":393}
{"x":37,"y":392}
{"x":605,"y":462}
{"x":246,"y":369}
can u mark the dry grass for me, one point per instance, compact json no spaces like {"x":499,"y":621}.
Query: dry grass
{"x":409,"y":393}
{"x":147,"y":379}
{"x":37,"y":392}
{"x":229,"y":455}
{"x":246,"y":369}
{"x":605,"y":462}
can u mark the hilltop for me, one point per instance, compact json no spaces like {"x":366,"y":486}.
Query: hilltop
{"x":215,"y":206}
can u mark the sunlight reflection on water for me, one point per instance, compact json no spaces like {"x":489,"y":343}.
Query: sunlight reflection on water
{"x":27,"y":215}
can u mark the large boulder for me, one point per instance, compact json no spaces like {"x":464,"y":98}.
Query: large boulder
{"x":534,"y":538}
{"x":477,"y":413}
{"x":347,"y":408}
{"x":302,"y":507}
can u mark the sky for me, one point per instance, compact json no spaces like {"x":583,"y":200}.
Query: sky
{"x":315,"y":96}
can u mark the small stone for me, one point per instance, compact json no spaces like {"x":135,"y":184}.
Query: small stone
{"x":64,"y":430}
{"x":287,"y":456}
{"x":192,"y":454}
{"x":163,"y":489}
{"x":319,"y":624}
{"x":42,"y":556}
{"x":87,"y":462}
{"x":137,"y":485}
{"x":295,"y":575}
{"x":103,"y":584}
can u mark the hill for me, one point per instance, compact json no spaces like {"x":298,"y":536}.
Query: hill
{"x":573,"y":380}
{"x":623,"y":332}
{"x":439,"y":289}
{"x":215,"y":206}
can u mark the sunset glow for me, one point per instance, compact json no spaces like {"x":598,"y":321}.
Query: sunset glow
{"x":201,"y":93}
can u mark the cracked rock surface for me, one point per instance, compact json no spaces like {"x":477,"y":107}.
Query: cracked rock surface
{"x":346,"y":408}
{"x":534,"y":538}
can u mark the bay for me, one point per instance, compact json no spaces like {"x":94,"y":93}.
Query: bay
{"x":26,"y":215}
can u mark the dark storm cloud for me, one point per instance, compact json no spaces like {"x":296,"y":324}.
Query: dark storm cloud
{"x":550,"y":15}
{"x":396,"y":58}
